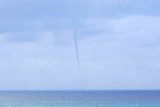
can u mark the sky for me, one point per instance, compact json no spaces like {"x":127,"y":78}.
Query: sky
{"x":118,"y":43}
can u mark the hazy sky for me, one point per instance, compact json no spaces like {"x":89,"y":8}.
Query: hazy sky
{"x":119,"y":44}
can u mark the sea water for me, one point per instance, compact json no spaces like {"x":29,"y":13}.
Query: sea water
{"x":80,"y":99}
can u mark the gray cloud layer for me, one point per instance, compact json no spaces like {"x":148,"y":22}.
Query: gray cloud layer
{"x":29,"y":17}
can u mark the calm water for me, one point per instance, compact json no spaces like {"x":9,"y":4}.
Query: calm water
{"x":80,"y":99}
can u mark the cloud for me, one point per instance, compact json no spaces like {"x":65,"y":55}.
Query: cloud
{"x":29,"y":18}
{"x":90,"y":8}
{"x":118,"y":53}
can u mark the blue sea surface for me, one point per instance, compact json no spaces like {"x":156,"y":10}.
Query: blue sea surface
{"x":79,"y":98}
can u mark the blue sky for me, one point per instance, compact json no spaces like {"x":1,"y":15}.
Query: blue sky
{"x":118,"y":44}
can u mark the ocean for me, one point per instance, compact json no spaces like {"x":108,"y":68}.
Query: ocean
{"x":79,"y":98}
